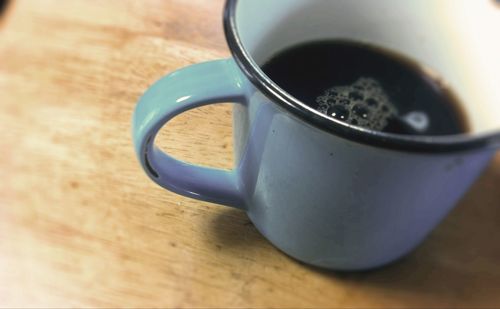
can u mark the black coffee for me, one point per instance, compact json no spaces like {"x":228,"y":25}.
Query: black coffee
{"x":368,"y":87}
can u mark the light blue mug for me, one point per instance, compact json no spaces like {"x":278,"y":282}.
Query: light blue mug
{"x":323,"y":191}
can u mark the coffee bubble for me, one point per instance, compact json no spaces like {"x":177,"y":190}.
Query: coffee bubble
{"x":362,"y":103}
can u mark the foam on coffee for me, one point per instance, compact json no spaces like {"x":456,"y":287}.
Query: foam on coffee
{"x":362,"y":103}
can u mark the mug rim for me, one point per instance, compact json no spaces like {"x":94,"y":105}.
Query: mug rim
{"x":409,"y":143}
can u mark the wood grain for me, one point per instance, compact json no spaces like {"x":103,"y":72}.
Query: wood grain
{"x":81,"y":225}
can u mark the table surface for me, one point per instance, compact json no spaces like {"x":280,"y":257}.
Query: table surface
{"x":82,"y":225}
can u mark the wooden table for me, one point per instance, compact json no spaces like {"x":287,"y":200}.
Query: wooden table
{"x":82,"y":225}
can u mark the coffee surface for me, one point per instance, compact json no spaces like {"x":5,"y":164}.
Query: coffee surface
{"x":368,"y":87}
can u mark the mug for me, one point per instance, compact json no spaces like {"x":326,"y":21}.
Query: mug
{"x":325,"y":192}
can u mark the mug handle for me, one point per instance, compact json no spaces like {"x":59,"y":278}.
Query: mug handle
{"x":190,"y":87}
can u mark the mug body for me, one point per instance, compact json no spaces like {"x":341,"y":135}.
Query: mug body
{"x":334,"y":199}
{"x":336,"y":203}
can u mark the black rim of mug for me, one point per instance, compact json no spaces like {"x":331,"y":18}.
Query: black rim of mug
{"x":410,"y":143}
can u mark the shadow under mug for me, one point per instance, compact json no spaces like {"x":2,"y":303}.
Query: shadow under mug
{"x":323,"y":191}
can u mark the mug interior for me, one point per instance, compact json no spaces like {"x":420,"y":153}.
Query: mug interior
{"x":457,"y":41}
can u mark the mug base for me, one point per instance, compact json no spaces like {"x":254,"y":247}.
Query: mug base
{"x":335,"y":265}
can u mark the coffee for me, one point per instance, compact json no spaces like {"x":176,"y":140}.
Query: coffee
{"x":368,"y":87}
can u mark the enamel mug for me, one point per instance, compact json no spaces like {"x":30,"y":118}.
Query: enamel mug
{"x":325,"y":192}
